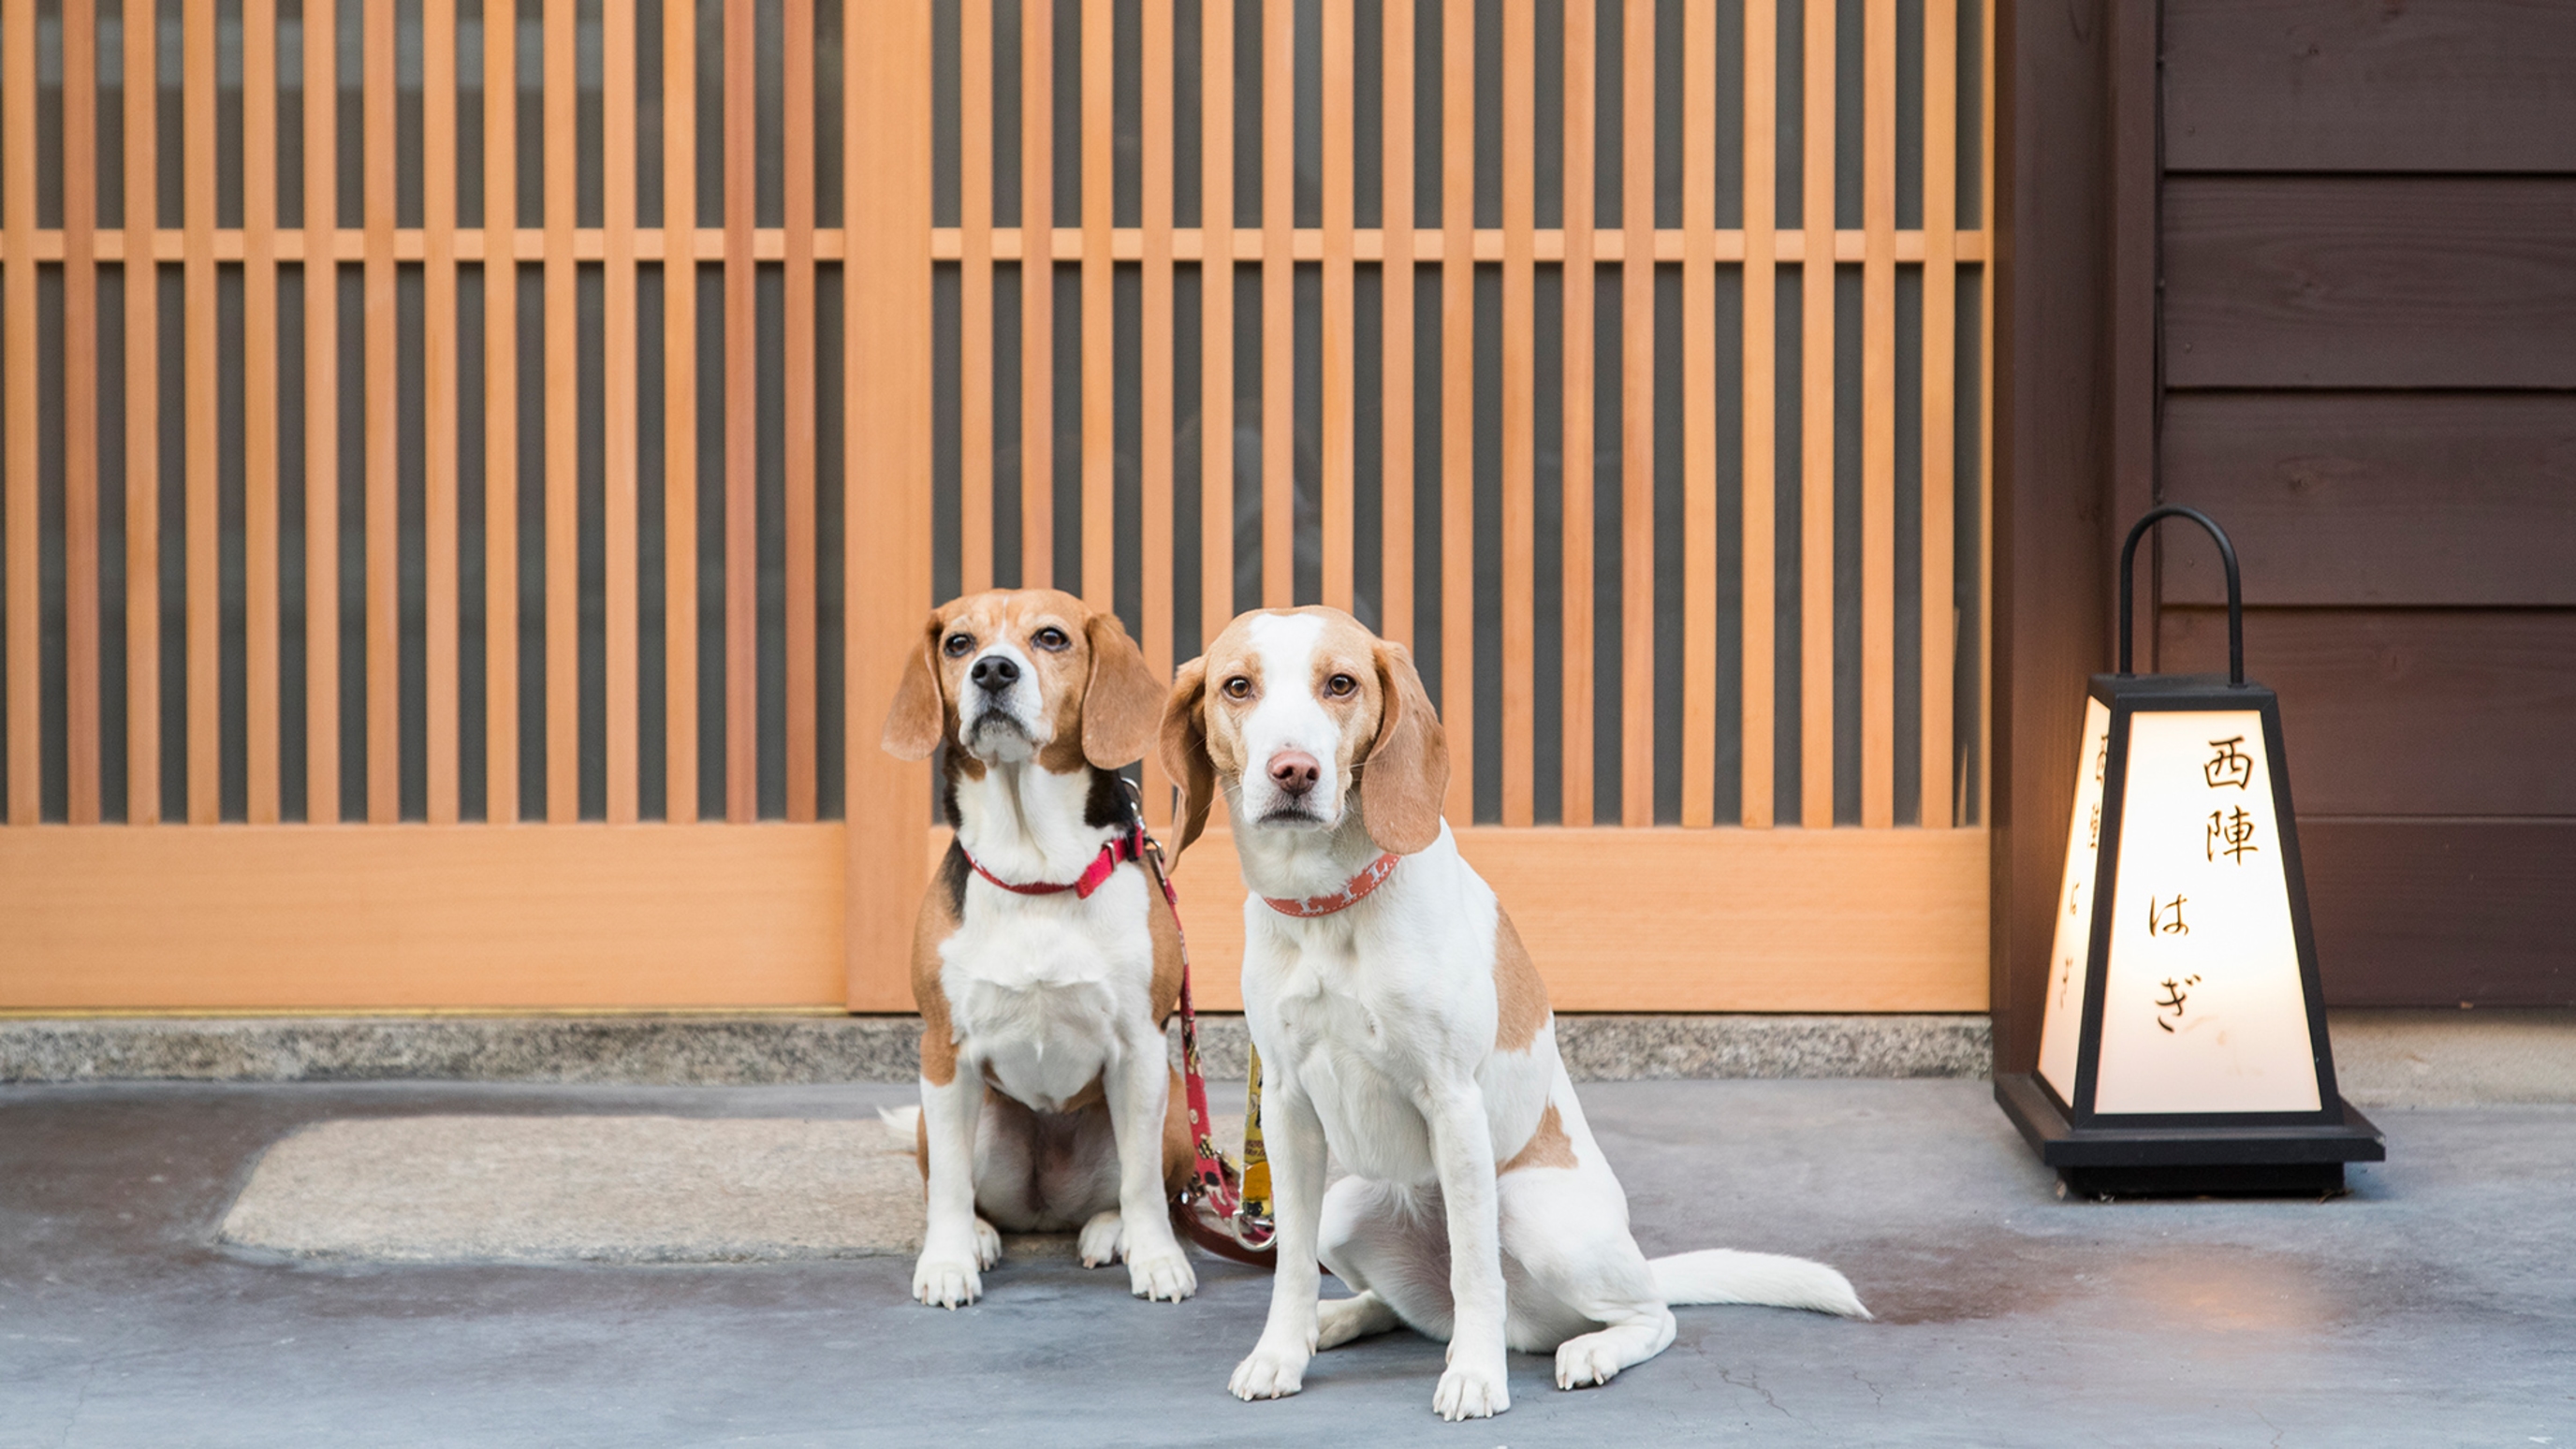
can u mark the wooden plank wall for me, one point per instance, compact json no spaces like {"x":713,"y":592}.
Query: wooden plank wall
{"x":554,"y":743}
{"x":2368,"y":228}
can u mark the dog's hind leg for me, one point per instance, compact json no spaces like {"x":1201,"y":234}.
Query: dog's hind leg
{"x":1391,"y":1248}
{"x":1578,"y":1284}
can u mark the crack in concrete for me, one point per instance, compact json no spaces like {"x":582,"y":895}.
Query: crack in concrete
{"x":1877,"y":1398}
{"x":79,"y":1401}
{"x":1750,"y":1382}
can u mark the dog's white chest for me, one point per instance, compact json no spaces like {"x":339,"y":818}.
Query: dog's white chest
{"x":1038,"y":992}
{"x":1346,"y":1044}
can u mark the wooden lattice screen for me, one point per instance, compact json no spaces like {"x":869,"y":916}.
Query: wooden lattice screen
{"x":385,"y":472}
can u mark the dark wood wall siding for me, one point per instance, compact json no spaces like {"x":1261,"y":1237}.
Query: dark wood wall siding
{"x":2367,"y":236}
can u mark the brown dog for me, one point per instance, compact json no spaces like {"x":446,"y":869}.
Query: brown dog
{"x":1044,"y":963}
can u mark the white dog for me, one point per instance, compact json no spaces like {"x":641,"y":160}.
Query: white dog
{"x":1401,"y":1023}
{"x":1045,"y":962}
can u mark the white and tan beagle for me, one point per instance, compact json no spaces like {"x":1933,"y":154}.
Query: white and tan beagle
{"x":1044,"y":962}
{"x":1401,"y":1024}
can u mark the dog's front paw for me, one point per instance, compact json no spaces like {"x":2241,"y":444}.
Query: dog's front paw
{"x":1472,"y":1390}
{"x":988,"y":1244}
{"x":1272,"y":1372}
{"x":1163,"y":1275}
{"x":1104,"y":1240}
{"x":1585,"y":1361}
{"x":946,"y":1280}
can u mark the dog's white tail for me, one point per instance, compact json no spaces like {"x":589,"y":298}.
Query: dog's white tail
{"x":903,"y":1124}
{"x":1722,"y":1275}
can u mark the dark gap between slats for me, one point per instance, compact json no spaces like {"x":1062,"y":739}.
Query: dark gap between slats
{"x":1670,"y":405}
{"x":1245,"y":446}
{"x":1127,"y":437}
{"x":712,"y":664}
{"x":831,"y":467}
{"x":473,"y":480}
{"x":533,"y":423}
{"x":1066,"y":444}
{"x":1848,"y":417}
{"x":1007,"y":442}
{"x":652,"y":553}
{"x":590,"y":511}
{"x":769,"y":291}
{"x":1306,"y":445}
{"x":411,"y":541}
{"x":1908,"y":737}
{"x":1547,"y":555}
{"x":1485,"y":635}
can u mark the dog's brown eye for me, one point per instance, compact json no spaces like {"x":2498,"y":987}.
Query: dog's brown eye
{"x":1341,"y":686}
{"x":1238,"y":688}
{"x":958,"y":646}
{"x":1051,"y":639}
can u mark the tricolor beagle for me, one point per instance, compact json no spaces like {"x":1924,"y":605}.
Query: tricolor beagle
{"x":1044,"y":962}
{"x":1401,"y":1023}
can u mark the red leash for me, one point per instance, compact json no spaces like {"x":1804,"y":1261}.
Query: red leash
{"x":1216,"y":1211}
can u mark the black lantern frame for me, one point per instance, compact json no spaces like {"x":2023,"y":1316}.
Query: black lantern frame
{"x":2157,"y":1153}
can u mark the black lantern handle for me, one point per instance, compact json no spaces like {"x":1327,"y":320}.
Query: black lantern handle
{"x":2235,"y":594}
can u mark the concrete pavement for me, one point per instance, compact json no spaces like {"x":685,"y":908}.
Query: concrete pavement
{"x":2435,"y":1304}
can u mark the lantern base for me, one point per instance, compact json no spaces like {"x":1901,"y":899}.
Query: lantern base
{"x":2266,"y":1179}
{"x":2189,"y":1158}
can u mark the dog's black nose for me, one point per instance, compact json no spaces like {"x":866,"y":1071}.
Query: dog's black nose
{"x":994,"y":673}
{"x":1294,"y":772}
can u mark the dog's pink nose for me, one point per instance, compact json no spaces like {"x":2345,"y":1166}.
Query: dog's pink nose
{"x":1294,"y":771}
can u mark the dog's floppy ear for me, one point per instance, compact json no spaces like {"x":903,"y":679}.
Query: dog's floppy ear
{"x":919,"y":718}
{"x":1406,"y":774}
{"x":1185,"y":751}
{"x":1123,"y":701}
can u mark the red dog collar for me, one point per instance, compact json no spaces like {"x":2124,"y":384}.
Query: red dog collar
{"x":1371,"y":876}
{"x":1121,"y":849}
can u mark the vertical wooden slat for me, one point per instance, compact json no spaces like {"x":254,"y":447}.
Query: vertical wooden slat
{"x":18,"y":355}
{"x":1395,"y":499}
{"x":1099,"y":435}
{"x":618,"y":435}
{"x":975,"y":293}
{"x":563,"y":401}
{"x":1216,"y":321}
{"x":1940,"y":396}
{"x":1339,"y":349}
{"x":886,"y":527}
{"x":680,"y":410}
{"x":1699,"y":417}
{"x":742,"y":421}
{"x":321,"y":407}
{"x":439,"y":404}
{"x":1878,"y":420}
{"x":798,"y":214}
{"x":259,"y":405}
{"x":1816,"y":436}
{"x":501,"y":409}
{"x":1637,"y":424}
{"x":1580,"y":89}
{"x":203,"y":357}
{"x":1278,"y":304}
{"x":1519,"y":369}
{"x":80,"y":410}
{"x":1154,"y":371}
{"x":1761,"y":449}
{"x":1458,"y":401}
{"x":1037,"y":294}
{"x":383,"y":442}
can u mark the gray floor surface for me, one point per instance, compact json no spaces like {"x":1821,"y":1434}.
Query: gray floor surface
{"x":2433,"y":1305}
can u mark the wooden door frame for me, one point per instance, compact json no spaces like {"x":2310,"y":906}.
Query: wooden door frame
{"x":2076,"y":370}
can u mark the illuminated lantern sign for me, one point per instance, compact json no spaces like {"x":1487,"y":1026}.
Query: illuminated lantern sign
{"x":2184,"y":1047}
